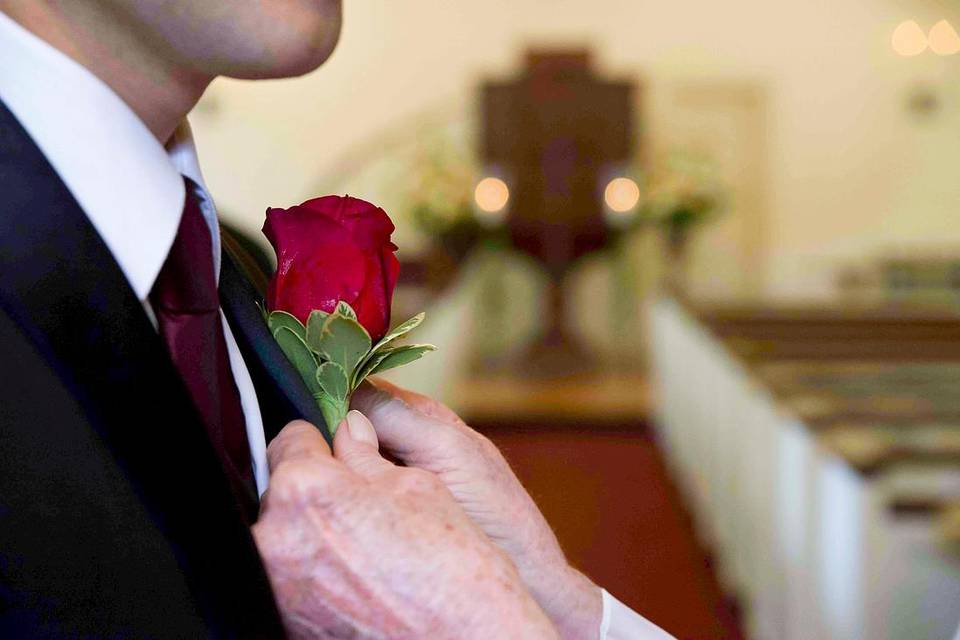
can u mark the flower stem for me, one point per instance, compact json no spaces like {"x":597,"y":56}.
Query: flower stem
{"x":334,"y":411}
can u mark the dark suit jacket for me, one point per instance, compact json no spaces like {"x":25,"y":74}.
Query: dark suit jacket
{"x":115,"y":517}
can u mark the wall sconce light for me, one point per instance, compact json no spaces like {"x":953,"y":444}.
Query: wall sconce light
{"x":943,"y":39}
{"x":621,"y":195}
{"x":490,"y":198}
{"x":909,"y":39}
{"x":491,"y":194}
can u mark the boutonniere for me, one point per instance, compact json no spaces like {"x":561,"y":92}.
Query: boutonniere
{"x":328,"y":305}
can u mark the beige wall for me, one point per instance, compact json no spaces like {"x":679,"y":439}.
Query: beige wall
{"x":850,"y":170}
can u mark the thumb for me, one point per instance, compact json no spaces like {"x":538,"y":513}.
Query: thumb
{"x":414,"y":428}
{"x":355,"y":445}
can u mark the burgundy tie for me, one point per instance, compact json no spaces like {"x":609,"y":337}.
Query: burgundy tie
{"x":186,"y":303}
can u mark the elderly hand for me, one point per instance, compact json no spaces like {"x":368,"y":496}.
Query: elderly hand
{"x":425,"y":434}
{"x":357,"y":547}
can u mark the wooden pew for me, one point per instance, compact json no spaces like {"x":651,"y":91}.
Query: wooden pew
{"x":903,"y":393}
{"x":890,"y":333}
{"x":836,"y":417}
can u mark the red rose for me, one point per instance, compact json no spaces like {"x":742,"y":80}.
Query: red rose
{"x":333,"y":249}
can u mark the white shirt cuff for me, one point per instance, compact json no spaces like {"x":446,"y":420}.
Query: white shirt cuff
{"x":620,"y":622}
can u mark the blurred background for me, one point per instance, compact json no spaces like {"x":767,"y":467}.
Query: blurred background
{"x":694,"y":266}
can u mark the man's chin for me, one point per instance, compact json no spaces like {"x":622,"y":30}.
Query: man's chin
{"x":295,"y":54}
{"x":285,"y":62}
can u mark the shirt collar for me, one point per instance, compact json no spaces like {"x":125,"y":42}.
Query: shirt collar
{"x":127,"y":183}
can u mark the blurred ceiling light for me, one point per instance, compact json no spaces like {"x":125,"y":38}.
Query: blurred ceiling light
{"x":909,"y":39}
{"x":491,"y":194}
{"x":621,"y":194}
{"x":944,"y":39}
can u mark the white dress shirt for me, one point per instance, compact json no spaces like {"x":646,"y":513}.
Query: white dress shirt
{"x":131,"y":188}
{"x":620,"y":622}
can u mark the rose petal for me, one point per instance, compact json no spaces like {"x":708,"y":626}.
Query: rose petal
{"x":391,"y":268}
{"x":373,"y":311}
{"x":318,"y":263}
{"x":329,"y":249}
{"x":370,"y":225}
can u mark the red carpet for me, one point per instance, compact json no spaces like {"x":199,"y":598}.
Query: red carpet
{"x":619,"y":520}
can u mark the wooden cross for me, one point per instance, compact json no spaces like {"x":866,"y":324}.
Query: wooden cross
{"x":556,"y":130}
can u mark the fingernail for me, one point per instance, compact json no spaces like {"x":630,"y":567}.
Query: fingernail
{"x":361,"y":429}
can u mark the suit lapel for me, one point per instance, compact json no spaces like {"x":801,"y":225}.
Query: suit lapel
{"x":280,"y":391}
{"x":60,"y":283}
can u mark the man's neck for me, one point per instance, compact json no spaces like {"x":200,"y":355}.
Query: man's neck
{"x":158,"y":91}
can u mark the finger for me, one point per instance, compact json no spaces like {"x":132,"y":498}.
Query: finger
{"x":355,"y":444}
{"x":299,"y":458}
{"x":406,"y":423}
{"x":417,"y":401}
{"x":297,"y":441}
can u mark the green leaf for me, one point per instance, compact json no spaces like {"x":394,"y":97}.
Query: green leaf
{"x":380,"y":350}
{"x":342,"y":340}
{"x":299,"y":355}
{"x":278,"y":319}
{"x":369,"y":363}
{"x":263,"y":311}
{"x":345,"y":309}
{"x":400,"y":330}
{"x":333,"y":380}
{"x":334,"y":410}
{"x":315,"y":326}
{"x":399,"y":356}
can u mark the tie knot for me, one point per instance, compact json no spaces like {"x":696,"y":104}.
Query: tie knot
{"x":187,"y":283}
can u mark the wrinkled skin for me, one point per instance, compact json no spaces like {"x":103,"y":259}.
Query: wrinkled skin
{"x":424,"y":434}
{"x":356,"y":547}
